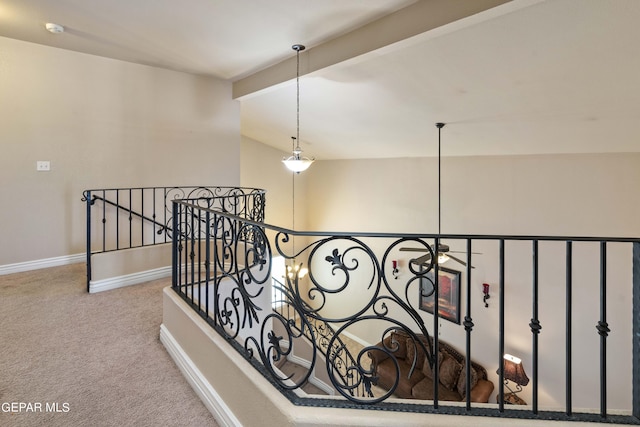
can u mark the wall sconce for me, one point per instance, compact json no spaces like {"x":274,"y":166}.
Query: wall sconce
{"x":512,"y":370}
{"x":485,"y":291}
{"x":395,"y":271}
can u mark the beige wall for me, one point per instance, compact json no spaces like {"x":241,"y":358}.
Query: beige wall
{"x":590,"y":194}
{"x":101,"y":123}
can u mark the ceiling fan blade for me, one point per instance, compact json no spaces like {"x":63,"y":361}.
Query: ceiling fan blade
{"x":441,"y":248}
{"x":422,"y":259}
{"x":458,"y":260}
{"x":464,"y":252}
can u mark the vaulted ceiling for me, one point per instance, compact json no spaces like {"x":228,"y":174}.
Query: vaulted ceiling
{"x":508,"y":77}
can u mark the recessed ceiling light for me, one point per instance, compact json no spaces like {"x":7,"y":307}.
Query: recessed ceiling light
{"x":54,"y":28}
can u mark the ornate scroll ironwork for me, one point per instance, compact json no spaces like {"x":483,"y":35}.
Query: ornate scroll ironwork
{"x":355,"y":268}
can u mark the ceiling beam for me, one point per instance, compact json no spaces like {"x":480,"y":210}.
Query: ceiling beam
{"x":413,"y":20}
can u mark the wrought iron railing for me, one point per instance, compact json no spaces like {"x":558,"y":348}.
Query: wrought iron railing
{"x":323,"y":337}
{"x":126,"y":218}
{"x":223,"y":267}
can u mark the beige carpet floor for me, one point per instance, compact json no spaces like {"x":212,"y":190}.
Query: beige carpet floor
{"x":97,"y":358}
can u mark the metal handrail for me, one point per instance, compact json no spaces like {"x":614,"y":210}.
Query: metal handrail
{"x":163,"y":227}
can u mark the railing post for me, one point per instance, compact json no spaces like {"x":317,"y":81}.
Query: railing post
{"x":215,"y":269}
{"x":568,"y":313}
{"x":436,"y":319}
{"x":535,"y":328}
{"x":104,"y":222}
{"x":192,"y":247}
{"x":130,"y":219}
{"x":117,"y":220}
{"x":174,"y":245}
{"x":142,"y":213}
{"x":603,"y":329}
{"x":154,"y":214}
{"x":468,"y":326}
{"x":636,"y":332}
{"x":88,"y":197}
{"x":164,"y":213}
{"x":207,"y":260}
{"x":501,"y":331}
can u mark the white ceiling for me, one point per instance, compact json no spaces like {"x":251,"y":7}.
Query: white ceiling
{"x":526,"y":77}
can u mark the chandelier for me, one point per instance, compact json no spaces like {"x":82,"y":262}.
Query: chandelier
{"x":296,"y":163}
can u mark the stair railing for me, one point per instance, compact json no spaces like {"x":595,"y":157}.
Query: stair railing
{"x":332,"y":347}
{"x":135,"y":217}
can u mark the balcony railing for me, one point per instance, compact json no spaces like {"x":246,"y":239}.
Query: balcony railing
{"x":126,"y":218}
{"x":549,"y":301}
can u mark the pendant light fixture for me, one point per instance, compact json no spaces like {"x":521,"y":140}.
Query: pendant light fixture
{"x":296,"y":163}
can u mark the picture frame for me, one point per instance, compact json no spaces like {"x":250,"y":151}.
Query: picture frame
{"x":448,"y":294}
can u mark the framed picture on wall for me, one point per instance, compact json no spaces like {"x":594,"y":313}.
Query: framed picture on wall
{"x":448,"y":294}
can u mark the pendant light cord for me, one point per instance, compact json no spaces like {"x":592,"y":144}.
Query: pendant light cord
{"x":439,"y":126}
{"x":297,"y":48}
{"x":298,"y":98}
{"x":293,"y":175}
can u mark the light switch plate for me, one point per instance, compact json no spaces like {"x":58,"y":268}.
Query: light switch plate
{"x":43,"y":165}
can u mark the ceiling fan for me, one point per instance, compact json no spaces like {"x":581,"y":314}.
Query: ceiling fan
{"x":443,"y":252}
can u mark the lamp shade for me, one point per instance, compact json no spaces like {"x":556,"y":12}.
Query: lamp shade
{"x":297,"y":165}
{"x":514,"y":371}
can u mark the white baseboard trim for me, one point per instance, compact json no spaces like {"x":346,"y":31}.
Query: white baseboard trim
{"x":128,"y":279}
{"x":211,"y":399}
{"x":359,"y":340}
{"x":42,"y":263}
{"x":312,"y":378}
{"x":299,"y":361}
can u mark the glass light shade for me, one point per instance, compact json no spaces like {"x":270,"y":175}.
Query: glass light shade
{"x":442,"y":258}
{"x":297,"y":165}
